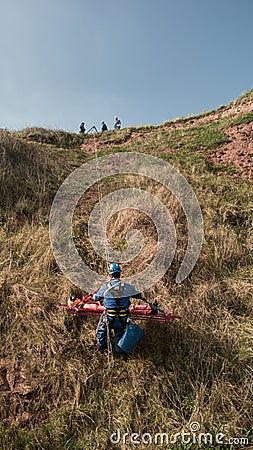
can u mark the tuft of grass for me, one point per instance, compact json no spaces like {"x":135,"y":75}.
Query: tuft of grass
{"x":58,"y":138}
{"x":247,"y":118}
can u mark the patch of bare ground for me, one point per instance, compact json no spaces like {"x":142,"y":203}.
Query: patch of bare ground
{"x":92,"y":145}
{"x":238,"y":152}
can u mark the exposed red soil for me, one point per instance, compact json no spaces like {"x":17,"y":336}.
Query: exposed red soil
{"x":238,"y":152}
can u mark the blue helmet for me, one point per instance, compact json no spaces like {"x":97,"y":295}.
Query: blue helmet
{"x":114,"y":268}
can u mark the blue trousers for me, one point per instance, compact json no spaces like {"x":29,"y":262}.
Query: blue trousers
{"x":116,"y":324}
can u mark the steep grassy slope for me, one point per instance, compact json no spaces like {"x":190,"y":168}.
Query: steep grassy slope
{"x":56,"y":389}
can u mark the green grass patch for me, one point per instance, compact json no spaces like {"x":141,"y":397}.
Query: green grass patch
{"x":243,"y":119}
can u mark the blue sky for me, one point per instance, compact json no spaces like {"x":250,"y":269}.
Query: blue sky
{"x":63,"y":62}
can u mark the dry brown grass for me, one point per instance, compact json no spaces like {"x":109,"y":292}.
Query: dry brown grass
{"x":197,"y":369}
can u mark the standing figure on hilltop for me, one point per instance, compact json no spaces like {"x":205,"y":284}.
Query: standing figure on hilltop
{"x":82,"y":128}
{"x":116,"y":297}
{"x":104,"y":126}
{"x":117,"y":123}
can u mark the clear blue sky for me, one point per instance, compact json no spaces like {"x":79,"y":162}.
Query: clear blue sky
{"x":63,"y":62}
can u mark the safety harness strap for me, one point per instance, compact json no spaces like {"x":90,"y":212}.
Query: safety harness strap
{"x":117,"y":312}
{"x":113,"y":287}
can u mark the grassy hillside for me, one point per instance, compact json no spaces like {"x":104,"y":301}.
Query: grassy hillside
{"x":57,"y":391}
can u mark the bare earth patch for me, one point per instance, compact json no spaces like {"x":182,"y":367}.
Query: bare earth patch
{"x":238,"y":152}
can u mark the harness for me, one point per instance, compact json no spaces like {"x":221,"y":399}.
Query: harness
{"x":116,"y":290}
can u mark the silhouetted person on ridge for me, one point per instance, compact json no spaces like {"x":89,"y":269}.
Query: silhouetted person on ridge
{"x":104,"y":126}
{"x":82,"y":128}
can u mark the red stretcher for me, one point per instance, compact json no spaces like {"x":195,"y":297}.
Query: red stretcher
{"x":89,"y":307}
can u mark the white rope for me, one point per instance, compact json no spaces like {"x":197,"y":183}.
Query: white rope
{"x":110,"y":357}
{"x":100,"y":197}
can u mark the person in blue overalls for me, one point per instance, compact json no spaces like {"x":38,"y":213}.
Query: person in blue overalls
{"x":116,"y":295}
